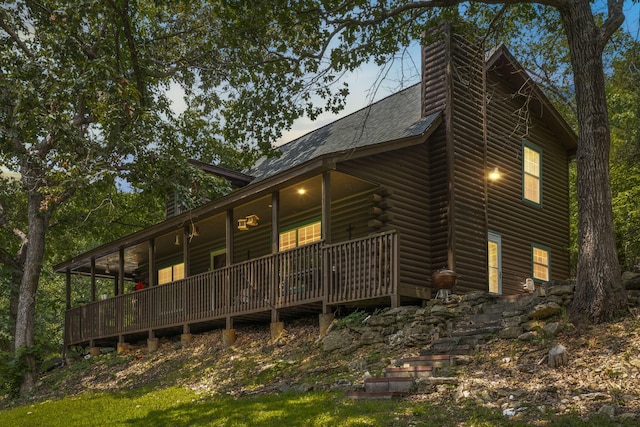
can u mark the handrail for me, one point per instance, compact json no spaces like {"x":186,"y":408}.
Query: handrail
{"x":359,"y":269}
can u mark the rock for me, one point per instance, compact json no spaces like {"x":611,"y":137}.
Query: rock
{"x":631,"y":280}
{"x":374,"y":321}
{"x":527,"y":336}
{"x":561,"y":290}
{"x":555,"y":298}
{"x":512,"y":313}
{"x":335,"y":340}
{"x":551,"y":329}
{"x":510,"y":332}
{"x":371,"y":337}
{"x":608,"y":410}
{"x":595,"y":397}
{"x":442,"y":311}
{"x":544,"y":310}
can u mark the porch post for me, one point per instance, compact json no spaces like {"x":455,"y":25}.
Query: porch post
{"x":326,"y":207}
{"x":93,"y":279}
{"x":115,"y":285}
{"x":275,"y":222}
{"x":121,"y":272}
{"x":186,"y":251}
{"x":229,"y":237}
{"x":152,"y":262}
{"x":68,"y":287}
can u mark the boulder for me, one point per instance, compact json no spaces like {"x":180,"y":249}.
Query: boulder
{"x":337,"y":339}
{"x":544,"y":310}
{"x":564,"y":289}
{"x":511,"y":332}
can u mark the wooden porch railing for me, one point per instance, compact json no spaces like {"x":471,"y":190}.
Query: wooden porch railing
{"x":340,"y":273}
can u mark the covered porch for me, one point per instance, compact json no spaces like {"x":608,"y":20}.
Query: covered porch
{"x":307,"y":279}
{"x":281,"y":250}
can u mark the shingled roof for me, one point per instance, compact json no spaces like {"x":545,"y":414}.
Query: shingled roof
{"x":394,"y":117}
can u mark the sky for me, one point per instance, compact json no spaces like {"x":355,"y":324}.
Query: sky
{"x":365,"y":85}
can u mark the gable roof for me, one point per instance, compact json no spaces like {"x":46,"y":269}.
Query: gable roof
{"x":392,"y":118}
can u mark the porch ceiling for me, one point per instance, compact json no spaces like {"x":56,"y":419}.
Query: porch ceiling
{"x":210,"y":228}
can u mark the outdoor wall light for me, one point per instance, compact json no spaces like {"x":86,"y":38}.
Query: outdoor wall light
{"x":301,"y":191}
{"x":494,"y":175}
{"x":242,"y":224}
{"x":249,"y":221}
{"x":177,"y":241}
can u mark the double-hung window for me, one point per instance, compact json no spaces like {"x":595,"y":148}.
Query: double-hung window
{"x":171,"y":273}
{"x":531,"y":173}
{"x":541,"y":262}
{"x":300,"y":235}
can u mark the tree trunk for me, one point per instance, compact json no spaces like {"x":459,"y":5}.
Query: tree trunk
{"x":24,"y":336}
{"x":599,"y":294}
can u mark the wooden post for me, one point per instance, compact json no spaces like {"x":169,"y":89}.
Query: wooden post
{"x":186,"y":252}
{"x":121,"y":272}
{"x":229,"y":237}
{"x":275,"y":222}
{"x":326,"y":207}
{"x":152,"y":262}
{"x":68,"y":287}
{"x":93,"y":279}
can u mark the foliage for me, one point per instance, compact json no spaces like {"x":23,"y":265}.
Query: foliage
{"x":624,"y":107}
{"x":12,"y":367}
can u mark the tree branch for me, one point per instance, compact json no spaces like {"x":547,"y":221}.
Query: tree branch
{"x":612,"y":23}
{"x":14,"y":36}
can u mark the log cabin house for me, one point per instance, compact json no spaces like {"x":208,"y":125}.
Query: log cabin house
{"x":467,"y":170}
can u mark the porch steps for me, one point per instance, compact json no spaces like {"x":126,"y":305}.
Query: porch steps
{"x":454,"y":348}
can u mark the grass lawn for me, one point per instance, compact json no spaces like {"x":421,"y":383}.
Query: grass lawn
{"x":182,"y":407}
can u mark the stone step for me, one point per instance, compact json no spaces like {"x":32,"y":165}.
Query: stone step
{"x":384,"y":395}
{"x":476,"y":330}
{"x":409,"y":371}
{"x":434,"y":360}
{"x":482,"y":318}
{"x":377,"y":385}
{"x":452,"y":350}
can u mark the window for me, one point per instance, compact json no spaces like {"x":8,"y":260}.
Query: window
{"x":218,"y":259}
{"x":531,"y":173}
{"x":494,"y":261}
{"x":541,"y":261}
{"x":170,"y":273}
{"x":302,"y":235}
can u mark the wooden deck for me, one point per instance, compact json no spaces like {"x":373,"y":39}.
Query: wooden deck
{"x":312,"y":277}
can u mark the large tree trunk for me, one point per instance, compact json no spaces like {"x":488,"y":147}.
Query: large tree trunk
{"x":599,"y":294}
{"x":24,"y":336}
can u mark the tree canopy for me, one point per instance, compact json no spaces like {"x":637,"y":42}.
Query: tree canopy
{"x":83,"y":104}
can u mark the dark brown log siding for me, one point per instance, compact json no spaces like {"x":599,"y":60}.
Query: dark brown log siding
{"x":469,"y":239}
{"x":405,"y":173}
{"x":520,"y":223}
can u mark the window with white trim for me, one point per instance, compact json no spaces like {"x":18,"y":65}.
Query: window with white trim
{"x":531,"y":173}
{"x":171,"y":273}
{"x":299,"y":236}
{"x":541,"y":262}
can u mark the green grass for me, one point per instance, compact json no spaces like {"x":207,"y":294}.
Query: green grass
{"x":183,"y":407}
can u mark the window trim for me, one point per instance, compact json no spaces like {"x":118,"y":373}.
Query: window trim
{"x":532,"y":147}
{"x":167,"y":265}
{"x":214,"y":253}
{"x":492,"y":236}
{"x":533,"y":263}
{"x":296,"y":226}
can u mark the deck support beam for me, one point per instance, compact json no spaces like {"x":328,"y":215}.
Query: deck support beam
{"x":186,"y":337}
{"x":122,"y":345}
{"x":228,"y":334}
{"x":325,"y":320}
{"x":276,"y":328}
{"x":152,"y":342}
{"x":93,"y":279}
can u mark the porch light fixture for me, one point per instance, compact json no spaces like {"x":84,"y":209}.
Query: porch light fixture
{"x":177,"y":241}
{"x":252,"y":220}
{"x":242,"y":224}
{"x":301,"y":191}
{"x":494,"y":175}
